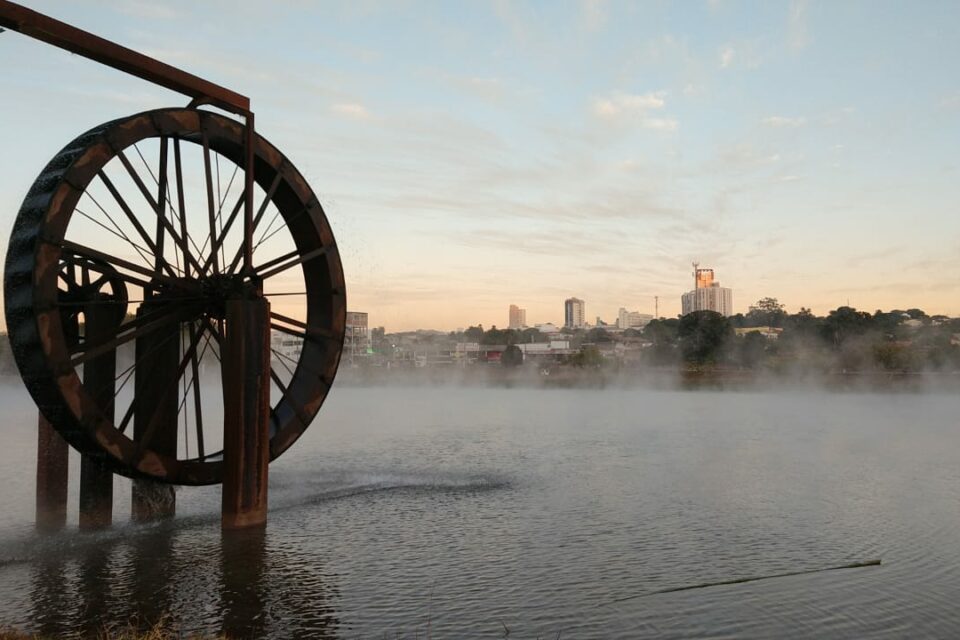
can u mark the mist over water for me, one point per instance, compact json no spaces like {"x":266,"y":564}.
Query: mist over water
{"x":464,"y":510}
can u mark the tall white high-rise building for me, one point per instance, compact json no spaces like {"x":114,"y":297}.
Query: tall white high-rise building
{"x":707,"y":294}
{"x":574,"y":313}
{"x":518,"y":317}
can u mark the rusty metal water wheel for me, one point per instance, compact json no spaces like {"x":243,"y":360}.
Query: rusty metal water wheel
{"x":153,"y":201}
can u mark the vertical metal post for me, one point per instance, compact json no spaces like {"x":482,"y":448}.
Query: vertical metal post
{"x":99,"y":375}
{"x":53,"y":459}
{"x":246,"y":437}
{"x":96,"y":495}
{"x":158,"y":358}
{"x":249,"y":137}
{"x":52,"y":467}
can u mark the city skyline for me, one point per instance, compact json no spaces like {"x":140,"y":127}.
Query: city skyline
{"x":805,"y":149}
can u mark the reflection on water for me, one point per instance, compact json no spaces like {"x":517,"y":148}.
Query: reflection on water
{"x":236,"y":584}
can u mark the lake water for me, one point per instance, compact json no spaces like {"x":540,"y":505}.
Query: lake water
{"x":466,"y":512}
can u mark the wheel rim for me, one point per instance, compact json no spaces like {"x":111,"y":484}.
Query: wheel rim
{"x":152,"y":180}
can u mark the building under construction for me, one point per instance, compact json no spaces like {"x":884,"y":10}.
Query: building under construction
{"x":707,"y":294}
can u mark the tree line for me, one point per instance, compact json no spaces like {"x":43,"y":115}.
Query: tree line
{"x":845,"y":339}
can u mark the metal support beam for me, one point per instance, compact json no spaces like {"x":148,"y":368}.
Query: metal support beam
{"x":246,"y":437}
{"x":99,"y":374}
{"x":60,"y":34}
{"x":53,"y":458}
{"x":52,"y":467}
{"x":155,"y":388}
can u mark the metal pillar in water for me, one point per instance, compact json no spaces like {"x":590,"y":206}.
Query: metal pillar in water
{"x":246,"y":437}
{"x":155,"y":416}
{"x":96,"y":481}
{"x":52,"y":467}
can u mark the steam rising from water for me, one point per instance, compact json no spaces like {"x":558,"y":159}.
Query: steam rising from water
{"x":532,"y":507}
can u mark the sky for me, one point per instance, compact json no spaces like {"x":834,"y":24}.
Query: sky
{"x":473,"y":155}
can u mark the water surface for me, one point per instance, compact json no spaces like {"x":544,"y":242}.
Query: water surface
{"x":463,"y":512}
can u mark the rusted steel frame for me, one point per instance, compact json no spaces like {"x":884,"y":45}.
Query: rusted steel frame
{"x":96,"y":481}
{"x":248,"y":190}
{"x":246,"y":431}
{"x":60,"y":34}
{"x":155,"y":418}
{"x":52,"y":472}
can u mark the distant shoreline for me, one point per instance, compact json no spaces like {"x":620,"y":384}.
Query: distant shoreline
{"x":651,"y":378}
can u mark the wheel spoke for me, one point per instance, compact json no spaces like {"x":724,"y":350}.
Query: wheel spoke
{"x":289,"y":221}
{"x":135,"y":222}
{"x":313,"y":331}
{"x":299,"y":259}
{"x":137,"y":180}
{"x":161,"y":200}
{"x":148,"y":433}
{"x":256,"y":220}
{"x":145,"y":325}
{"x":211,"y":205}
{"x":118,"y":231}
{"x":297,"y":409}
{"x":186,"y":234}
{"x":181,"y":204}
{"x":181,"y":242}
{"x":195,"y":366}
{"x":301,"y":364}
{"x":127,"y":416}
{"x":93,"y":254}
{"x":225,"y":229}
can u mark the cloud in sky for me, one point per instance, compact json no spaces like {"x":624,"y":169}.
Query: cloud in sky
{"x":628,"y":104}
{"x":594,"y":14}
{"x":352,"y":110}
{"x":784,"y":121}
{"x":743,"y":53}
{"x":797,"y":33}
{"x":635,"y":108}
{"x":551,"y":135}
{"x":727,"y":55}
{"x":950,"y":102}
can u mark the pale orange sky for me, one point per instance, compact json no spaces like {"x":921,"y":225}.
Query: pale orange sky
{"x":473,"y":157}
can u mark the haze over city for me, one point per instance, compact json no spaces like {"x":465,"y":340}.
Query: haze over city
{"x":473,"y":156}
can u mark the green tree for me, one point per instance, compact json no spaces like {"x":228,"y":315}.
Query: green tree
{"x":532,"y":335}
{"x":703,"y":336}
{"x":767,"y":312}
{"x":474,"y":334}
{"x":588,"y":357}
{"x":662,"y":332}
{"x":598,"y":334}
{"x":512,"y":357}
{"x":753,"y":349}
{"x":499,"y":336}
{"x":844,"y":323}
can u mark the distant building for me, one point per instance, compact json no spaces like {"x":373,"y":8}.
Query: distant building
{"x":518,"y":317}
{"x":574,"y":313}
{"x":707,"y":294}
{"x":285,"y":347}
{"x":548,"y":327}
{"x":356,"y":341}
{"x":632,"y":319}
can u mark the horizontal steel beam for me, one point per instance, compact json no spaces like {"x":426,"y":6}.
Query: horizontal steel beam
{"x":60,"y":34}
